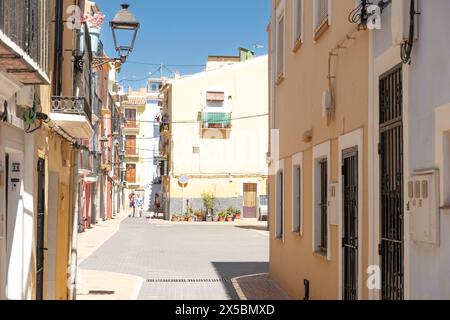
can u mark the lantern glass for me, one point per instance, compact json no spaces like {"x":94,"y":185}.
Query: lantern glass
{"x":124,"y":28}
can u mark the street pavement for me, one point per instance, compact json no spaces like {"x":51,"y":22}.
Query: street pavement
{"x":182,"y":261}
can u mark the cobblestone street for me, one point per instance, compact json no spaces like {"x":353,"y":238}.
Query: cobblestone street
{"x":178,"y":261}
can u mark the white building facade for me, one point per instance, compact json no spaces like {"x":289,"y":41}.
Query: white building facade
{"x":409,"y":121}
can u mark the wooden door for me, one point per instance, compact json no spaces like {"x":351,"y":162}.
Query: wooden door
{"x":250,"y":205}
{"x":130,"y":145}
{"x":131,"y":173}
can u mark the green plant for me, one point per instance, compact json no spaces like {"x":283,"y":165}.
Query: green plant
{"x":231,"y":211}
{"x":222,"y":214}
{"x":209,"y":201}
{"x":190,"y":212}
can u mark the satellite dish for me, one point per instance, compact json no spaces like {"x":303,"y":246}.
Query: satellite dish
{"x":183,"y":180}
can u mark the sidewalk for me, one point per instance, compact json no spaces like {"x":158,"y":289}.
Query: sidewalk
{"x":100,"y":285}
{"x":258,"y":287}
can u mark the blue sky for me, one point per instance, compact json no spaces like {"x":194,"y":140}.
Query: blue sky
{"x":182,"y":32}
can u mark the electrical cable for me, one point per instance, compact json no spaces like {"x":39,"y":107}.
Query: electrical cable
{"x":407,"y":46}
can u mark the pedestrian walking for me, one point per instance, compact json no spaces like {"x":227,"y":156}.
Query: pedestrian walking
{"x":139,"y":205}
{"x":157,"y":205}
{"x":133,"y":199}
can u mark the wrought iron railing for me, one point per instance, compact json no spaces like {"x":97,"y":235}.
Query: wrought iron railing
{"x":72,"y":105}
{"x":26,"y":23}
{"x":216,"y":120}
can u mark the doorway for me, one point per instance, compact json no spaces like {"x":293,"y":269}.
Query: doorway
{"x":350,"y":224}
{"x":391,"y":248}
{"x":40,"y":225}
{"x":250,"y":206}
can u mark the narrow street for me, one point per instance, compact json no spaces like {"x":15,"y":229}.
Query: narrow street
{"x":179,"y":261}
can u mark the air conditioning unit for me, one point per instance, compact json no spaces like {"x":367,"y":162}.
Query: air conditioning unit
{"x":401,"y":21}
{"x":25,"y":97}
{"x":423,"y":193}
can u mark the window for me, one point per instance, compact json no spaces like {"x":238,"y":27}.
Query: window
{"x":321,"y":17}
{"x":297,"y":201}
{"x":323,"y":220}
{"x":130,"y":145}
{"x":280,"y":48}
{"x":298,"y":23}
{"x":130,"y":116}
{"x":215,"y":96}
{"x":321,"y":175}
{"x":279,"y":205}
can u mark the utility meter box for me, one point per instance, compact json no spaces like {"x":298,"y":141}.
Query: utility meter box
{"x":333,"y":204}
{"x":423,"y":193}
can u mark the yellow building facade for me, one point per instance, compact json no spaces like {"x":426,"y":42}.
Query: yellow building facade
{"x":318,"y":150}
{"x":215,"y":136}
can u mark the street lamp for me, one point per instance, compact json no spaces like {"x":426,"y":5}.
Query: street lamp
{"x":124,"y":27}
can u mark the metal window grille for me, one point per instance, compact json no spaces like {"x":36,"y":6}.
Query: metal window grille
{"x":350,"y":225}
{"x":279,"y":209}
{"x":391,"y":183}
{"x":27,"y":23}
{"x":323,"y":205}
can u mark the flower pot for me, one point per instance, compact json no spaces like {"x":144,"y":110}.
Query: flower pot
{"x":190,"y":219}
{"x":237,"y":216}
{"x":199,"y":218}
{"x":174,"y":219}
{"x":221,"y":219}
{"x":229,"y":219}
{"x":209,"y":219}
{"x":94,"y":32}
{"x":182,"y":219}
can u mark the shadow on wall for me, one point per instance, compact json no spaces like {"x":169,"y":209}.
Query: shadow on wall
{"x":230,"y":270}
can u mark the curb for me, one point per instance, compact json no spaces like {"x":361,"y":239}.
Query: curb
{"x":238,"y":288}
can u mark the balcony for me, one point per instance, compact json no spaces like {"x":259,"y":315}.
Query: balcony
{"x":74,"y":115}
{"x":24,"y":40}
{"x":216,"y":120}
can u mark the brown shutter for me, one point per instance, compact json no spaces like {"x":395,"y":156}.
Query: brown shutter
{"x":131,"y":173}
{"x":130,"y":145}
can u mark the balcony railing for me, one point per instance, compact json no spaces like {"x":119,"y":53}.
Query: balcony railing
{"x":131,"y":124}
{"x":72,"y":105}
{"x":220,"y":120}
{"x":25,"y":39}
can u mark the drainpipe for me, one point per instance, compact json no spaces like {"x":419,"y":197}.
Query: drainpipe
{"x":72,"y":281}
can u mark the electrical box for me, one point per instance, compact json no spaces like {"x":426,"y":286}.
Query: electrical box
{"x":401,"y":21}
{"x":333,"y":204}
{"x":423,"y":194}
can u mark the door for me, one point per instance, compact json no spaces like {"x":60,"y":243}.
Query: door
{"x":131,"y":173}
{"x":391,"y":248}
{"x":130,"y":145}
{"x":350,"y":225}
{"x":6,"y":195}
{"x":250,"y":205}
{"x":40,"y":224}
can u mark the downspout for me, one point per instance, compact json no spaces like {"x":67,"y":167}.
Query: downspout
{"x":75,"y":214}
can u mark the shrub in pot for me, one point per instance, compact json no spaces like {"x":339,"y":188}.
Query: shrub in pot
{"x":174,"y":218}
{"x":230,"y":218}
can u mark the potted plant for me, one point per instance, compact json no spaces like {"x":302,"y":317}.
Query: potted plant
{"x":94,"y":23}
{"x":199,"y":215}
{"x":182,"y":217}
{"x":174,"y":218}
{"x":209,"y":202}
{"x":230,"y":218}
{"x":190,"y":215}
{"x":237,"y":214}
{"x":222,"y":216}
